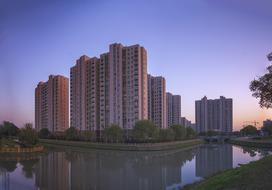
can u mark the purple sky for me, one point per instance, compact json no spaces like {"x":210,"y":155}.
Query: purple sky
{"x":203,"y":47}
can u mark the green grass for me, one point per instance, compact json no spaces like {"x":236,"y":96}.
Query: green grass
{"x":253,"y":176}
{"x":125,"y":147}
{"x":261,"y":143}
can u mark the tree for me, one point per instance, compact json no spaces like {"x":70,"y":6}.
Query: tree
{"x":113,"y":133}
{"x":180,"y":132}
{"x":145,"y":130}
{"x":249,"y":130}
{"x":262,"y":87}
{"x":87,"y":135}
{"x":44,"y":133}
{"x":28,"y":135}
{"x":8,"y":129}
{"x":71,"y":134}
{"x":190,"y":132}
{"x":267,"y":129}
{"x":167,"y":134}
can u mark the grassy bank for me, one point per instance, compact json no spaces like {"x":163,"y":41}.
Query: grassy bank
{"x":253,"y":176}
{"x":259,"y":143}
{"x":124,"y":147}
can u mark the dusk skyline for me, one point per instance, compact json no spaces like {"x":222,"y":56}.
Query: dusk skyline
{"x":204,"y":48}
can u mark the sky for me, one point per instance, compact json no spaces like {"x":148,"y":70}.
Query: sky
{"x":201,"y":47}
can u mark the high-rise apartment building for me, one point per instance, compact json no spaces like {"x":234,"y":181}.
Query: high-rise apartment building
{"x":173,"y":109}
{"x":109,"y":90}
{"x":51,"y":104}
{"x":214,"y":115}
{"x":157,"y":101}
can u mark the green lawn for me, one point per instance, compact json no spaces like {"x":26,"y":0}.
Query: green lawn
{"x":253,"y":176}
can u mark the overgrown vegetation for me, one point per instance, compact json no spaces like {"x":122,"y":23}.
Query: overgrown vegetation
{"x":252,"y":176}
{"x":11,"y":135}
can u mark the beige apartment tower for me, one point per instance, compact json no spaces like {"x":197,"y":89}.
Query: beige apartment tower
{"x":173,"y":109}
{"x":157,"y":101}
{"x":109,"y":90}
{"x":52,"y":104}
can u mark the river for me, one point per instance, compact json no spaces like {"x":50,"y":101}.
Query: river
{"x":60,"y":169}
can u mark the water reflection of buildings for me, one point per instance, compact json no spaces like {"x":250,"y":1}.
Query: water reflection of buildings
{"x":122,"y":170}
{"x":211,"y":159}
{"x":52,"y":172}
{"x":111,"y":170}
{"x":4,"y":180}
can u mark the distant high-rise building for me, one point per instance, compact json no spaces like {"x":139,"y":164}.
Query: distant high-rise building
{"x":214,"y":115}
{"x":109,"y":90}
{"x":185,"y":122}
{"x":157,"y":101}
{"x":173,"y":104}
{"x":51,"y":104}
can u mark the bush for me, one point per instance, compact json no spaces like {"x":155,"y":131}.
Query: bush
{"x":87,"y":135}
{"x":180,"y":132}
{"x":267,"y":129}
{"x":71,"y":134}
{"x":249,"y":130}
{"x":145,"y":130}
{"x":167,"y":135}
{"x":113,"y":134}
{"x":28,"y":135}
{"x":190,"y":132}
{"x":44,"y":133}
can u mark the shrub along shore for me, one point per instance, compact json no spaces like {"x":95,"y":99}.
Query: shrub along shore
{"x":252,"y":176}
{"x":123,"y":146}
{"x":253,"y":142}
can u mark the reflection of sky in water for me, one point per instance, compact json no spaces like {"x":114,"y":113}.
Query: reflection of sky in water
{"x":188,"y":173}
{"x":242,"y":157}
{"x":19,"y":182}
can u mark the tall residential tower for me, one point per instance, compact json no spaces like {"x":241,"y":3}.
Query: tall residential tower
{"x":157,"y":101}
{"x":51,"y":104}
{"x":109,"y":90}
{"x":173,"y":109}
{"x":214,"y":115}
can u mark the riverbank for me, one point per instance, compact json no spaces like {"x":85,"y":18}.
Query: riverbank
{"x":258,"y":143}
{"x":19,"y":150}
{"x":124,"y":147}
{"x":253,"y":176}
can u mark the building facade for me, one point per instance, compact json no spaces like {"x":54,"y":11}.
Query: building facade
{"x":52,"y":104}
{"x":185,"y":122}
{"x":157,"y":101}
{"x":214,"y":115}
{"x":173,"y":109}
{"x":109,"y":90}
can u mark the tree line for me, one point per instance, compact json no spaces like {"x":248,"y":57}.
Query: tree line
{"x":144,"y":131}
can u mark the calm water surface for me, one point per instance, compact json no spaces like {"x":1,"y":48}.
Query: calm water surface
{"x":106,"y":170}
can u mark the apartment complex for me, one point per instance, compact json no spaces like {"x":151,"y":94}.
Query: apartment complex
{"x":51,"y":104}
{"x":109,"y":90}
{"x":157,"y":101}
{"x":214,"y":115}
{"x":173,"y":109}
{"x":185,"y":122}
